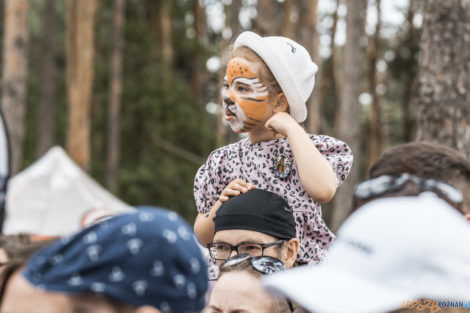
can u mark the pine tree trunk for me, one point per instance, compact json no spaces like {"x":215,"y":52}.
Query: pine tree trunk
{"x":166,"y":32}
{"x":347,"y":120}
{"x":308,"y":37}
{"x":409,"y":111}
{"x":115,"y":93}
{"x":46,"y":123}
{"x":232,"y":12}
{"x":287,"y":30}
{"x":443,"y":87}
{"x":197,"y":77}
{"x":15,"y":69}
{"x":375,"y":130}
{"x":266,"y":19}
{"x":80,"y":72}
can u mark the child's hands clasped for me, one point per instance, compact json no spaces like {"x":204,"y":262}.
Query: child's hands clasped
{"x":281,"y":123}
{"x":234,"y":188}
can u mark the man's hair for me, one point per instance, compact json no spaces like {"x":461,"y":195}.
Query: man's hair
{"x":423,"y":159}
{"x":427,"y":160}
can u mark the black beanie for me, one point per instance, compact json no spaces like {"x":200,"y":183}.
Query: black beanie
{"x":257,"y":210}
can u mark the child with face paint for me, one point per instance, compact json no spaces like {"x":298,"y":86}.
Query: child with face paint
{"x":267,"y":82}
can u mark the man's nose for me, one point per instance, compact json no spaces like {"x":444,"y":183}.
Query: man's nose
{"x":234,"y":250}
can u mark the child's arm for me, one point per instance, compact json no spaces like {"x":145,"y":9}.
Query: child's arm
{"x":204,"y":224}
{"x":315,"y":172}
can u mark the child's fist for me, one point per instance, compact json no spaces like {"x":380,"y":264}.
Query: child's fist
{"x":281,"y":123}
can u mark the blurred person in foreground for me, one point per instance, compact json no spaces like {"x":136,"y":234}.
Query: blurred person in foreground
{"x":258,"y":223}
{"x":238,"y":288}
{"x":15,"y":289}
{"x":145,"y":261}
{"x":389,"y":252}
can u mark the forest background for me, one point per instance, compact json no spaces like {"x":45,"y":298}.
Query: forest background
{"x":130,"y":88}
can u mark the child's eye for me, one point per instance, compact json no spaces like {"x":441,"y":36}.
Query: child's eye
{"x":224,"y":88}
{"x":242,"y":89}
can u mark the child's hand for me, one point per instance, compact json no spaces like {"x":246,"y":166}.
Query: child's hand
{"x":234,"y":188}
{"x":281,"y":123}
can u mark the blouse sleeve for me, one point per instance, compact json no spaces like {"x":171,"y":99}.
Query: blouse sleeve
{"x":337,"y":153}
{"x":208,"y":183}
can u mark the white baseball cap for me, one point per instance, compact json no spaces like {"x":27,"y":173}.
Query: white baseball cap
{"x":389,"y":251}
{"x":290,"y":64}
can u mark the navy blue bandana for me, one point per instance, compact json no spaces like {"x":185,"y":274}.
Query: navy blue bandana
{"x":148,"y":257}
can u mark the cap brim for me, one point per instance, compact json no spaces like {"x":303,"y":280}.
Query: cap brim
{"x":326,"y":289}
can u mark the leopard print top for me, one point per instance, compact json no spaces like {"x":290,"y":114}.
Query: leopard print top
{"x":255,"y":162}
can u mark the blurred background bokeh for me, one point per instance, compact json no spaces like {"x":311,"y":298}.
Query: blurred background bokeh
{"x":130,"y":88}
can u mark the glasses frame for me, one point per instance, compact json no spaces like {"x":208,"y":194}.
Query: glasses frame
{"x":235,"y":247}
{"x":384,"y":184}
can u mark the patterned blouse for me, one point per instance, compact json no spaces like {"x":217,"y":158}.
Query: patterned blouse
{"x":255,"y":162}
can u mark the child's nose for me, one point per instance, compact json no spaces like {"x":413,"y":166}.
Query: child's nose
{"x":228,"y":101}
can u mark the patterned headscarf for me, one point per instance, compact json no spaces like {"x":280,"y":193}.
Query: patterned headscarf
{"x":147,"y":257}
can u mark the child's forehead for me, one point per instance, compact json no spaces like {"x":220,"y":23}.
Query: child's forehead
{"x":241,"y":67}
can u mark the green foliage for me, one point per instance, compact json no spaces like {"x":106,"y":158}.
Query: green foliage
{"x":158,"y":102}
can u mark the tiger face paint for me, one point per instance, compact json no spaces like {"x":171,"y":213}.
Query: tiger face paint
{"x":245,"y":97}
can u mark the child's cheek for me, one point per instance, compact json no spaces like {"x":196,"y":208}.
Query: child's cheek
{"x":254,"y":111}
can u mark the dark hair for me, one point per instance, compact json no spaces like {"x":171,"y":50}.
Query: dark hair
{"x":424,"y":159}
{"x":19,"y":247}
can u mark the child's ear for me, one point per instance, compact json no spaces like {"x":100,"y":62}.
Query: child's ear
{"x":281,"y":104}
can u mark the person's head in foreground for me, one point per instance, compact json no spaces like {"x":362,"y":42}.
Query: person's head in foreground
{"x":389,"y":251}
{"x":144,"y":261}
{"x":14,"y":288}
{"x":265,"y":76}
{"x":238,"y":288}
{"x":427,"y":160}
{"x":258,"y":223}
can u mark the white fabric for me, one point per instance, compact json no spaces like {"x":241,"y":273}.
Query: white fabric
{"x":51,"y":196}
{"x":391,"y":250}
{"x":290,"y":64}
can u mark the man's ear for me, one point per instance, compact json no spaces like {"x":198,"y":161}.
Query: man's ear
{"x":280,"y":103}
{"x":147,"y":309}
{"x":291,"y":249}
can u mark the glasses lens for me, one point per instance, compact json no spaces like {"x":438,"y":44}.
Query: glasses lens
{"x":253,"y":249}
{"x":267,"y":264}
{"x":219,"y":251}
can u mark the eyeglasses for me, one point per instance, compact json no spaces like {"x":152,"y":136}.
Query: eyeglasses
{"x":264,"y":264}
{"x":222,"y":251}
{"x":392,"y":183}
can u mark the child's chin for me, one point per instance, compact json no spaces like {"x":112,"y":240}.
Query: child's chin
{"x":236,"y":128}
